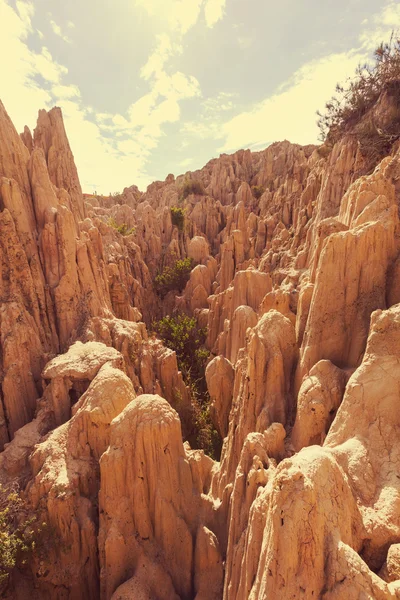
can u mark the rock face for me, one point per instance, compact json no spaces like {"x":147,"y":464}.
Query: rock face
{"x":299,"y":291}
{"x":143,"y":518}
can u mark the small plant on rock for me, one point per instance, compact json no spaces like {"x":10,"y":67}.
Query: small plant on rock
{"x":18,"y":532}
{"x":178,"y":217}
{"x":257,"y":191}
{"x":174,"y":277}
{"x":122,"y":229}
{"x":192,"y":186}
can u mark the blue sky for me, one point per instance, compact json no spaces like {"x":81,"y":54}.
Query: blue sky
{"x":151,"y":87}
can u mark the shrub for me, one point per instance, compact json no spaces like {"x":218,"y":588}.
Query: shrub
{"x":18,"y":532}
{"x":257,"y":191}
{"x":122,"y":229}
{"x":181,"y":334}
{"x":358,"y":95}
{"x":173,"y":278}
{"x":192,"y":186}
{"x":178,"y":217}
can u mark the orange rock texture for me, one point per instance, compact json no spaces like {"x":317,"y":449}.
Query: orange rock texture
{"x":299,"y":294}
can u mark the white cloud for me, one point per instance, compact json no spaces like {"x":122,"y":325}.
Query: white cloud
{"x":19,"y":92}
{"x":182,"y":15}
{"x":222,"y":102}
{"x":65,"y":92}
{"x":25,"y":11}
{"x":214,"y":11}
{"x":291,"y":112}
{"x":244,"y":41}
{"x":208,"y":124}
{"x":115,"y":148}
{"x":58,"y":31}
{"x":186,"y":163}
{"x":43,"y":64}
{"x":99,"y":164}
{"x":379,"y":26}
{"x":164,"y":50}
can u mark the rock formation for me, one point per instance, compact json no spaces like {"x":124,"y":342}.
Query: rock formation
{"x":299,"y":291}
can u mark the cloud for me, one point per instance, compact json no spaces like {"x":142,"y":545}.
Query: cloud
{"x":164,"y":50}
{"x":244,"y":42}
{"x":99,"y":163}
{"x":20,"y":93}
{"x":182,"y":15}
{"x":109,"y":148}
{"x":186,"y":163}
{"x":58,"y":31}
{"x":211,"y":114}
{"x":214,"y":11}
{"x":179,"y":15}
{"x":25,"y":11}
{"x":65,"y":92}
{"x":378,"y":27}
{"x":291,"y":112}
{"x":44,"y":65}
{"x":222,"y":102}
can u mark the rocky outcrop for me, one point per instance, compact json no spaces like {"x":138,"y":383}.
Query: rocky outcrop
{"x":220,"y":378}
{"x":66,"y":480}
{"x":144,"y":522}
{"x":296,"y":266}
{"x":50,"y":136}
{"x":318,"y":400}
{"x":262,"y":384}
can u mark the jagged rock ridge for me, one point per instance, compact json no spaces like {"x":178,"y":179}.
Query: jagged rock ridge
{"x":299,"y":291}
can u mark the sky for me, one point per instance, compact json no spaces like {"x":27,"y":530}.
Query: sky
{"x":152,"y":87}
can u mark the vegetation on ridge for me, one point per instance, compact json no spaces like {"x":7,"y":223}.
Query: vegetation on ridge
{"x":123,"y":229}
{"x":345,"y":111}
{"x":257,"y":191}
{"x":192,"y":186}
{"x":178,"y":217}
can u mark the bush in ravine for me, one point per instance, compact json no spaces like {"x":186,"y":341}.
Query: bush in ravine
{"x":178,"y":217}
{"x":182,"y":334}
{"x":19,"y":532}
{"x":257,"y":191}
{"x":192,"y":186}
{"x":122,"y":229}
{"x":174,"y":277}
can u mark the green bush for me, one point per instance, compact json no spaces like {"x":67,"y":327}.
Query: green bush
{"x":18,"y":532}
{"x":192,"y":186}
{"x":122,"y":229}
{"x":257,"y":191}
{"x":353,"y":99}
{"x":173,"y":278}
{"x":181,"y":334}
{"x":178,"y":217}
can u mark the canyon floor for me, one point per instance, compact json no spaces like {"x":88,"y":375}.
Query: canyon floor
{"x":282,"y":479}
